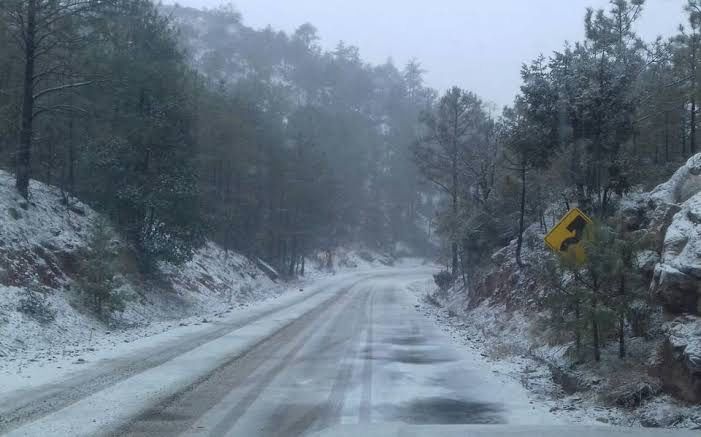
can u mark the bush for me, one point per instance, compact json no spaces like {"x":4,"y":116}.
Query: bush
{"x":444,"y":280}
{"x":98,"y":274}
{"x":431,"y":300}
{"x":35,"y":305}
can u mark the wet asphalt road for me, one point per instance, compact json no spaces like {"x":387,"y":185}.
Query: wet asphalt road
{"x":352,"y":351}
{"x":367,"y":356}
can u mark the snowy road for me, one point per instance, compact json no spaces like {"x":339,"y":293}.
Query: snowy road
{"x":351,"y":350}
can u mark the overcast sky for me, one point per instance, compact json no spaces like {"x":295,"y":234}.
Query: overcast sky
{"x":476,"y":44}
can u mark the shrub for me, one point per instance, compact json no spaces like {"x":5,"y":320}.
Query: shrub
{"x":431,"y":300}
{"x":444,"y":280}
{"x":35,"y":305}
{"x":98,"y":274}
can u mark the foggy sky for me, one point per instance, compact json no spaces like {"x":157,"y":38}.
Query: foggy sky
{"x":475,"y":44}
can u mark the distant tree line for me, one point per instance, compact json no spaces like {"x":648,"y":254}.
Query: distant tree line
{"x":182,"y":125}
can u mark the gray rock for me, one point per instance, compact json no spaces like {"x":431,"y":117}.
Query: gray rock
{"x":680,"y":370}
{"x":634,"y":394}
{"x":646,"y":260}
{"x":664,"y":417}
{"x":682,"y":185}
{"x":499,"y":256}
{"x":677,"y":278}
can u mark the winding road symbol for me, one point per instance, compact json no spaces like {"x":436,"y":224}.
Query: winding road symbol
{"x":577,"y":228}
{"x":568,"y":234}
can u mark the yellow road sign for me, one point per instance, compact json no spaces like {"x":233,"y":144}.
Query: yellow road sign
{"x":566,"y":236}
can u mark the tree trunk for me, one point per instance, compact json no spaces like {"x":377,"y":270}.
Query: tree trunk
{"x":595,"y":332}
{"x":521,"y":219}
{"x":50,"y":161}
{"x":666,"y":136}
{"x":293,"y":256}
{"x":692,"y":128}
{"x":454,"y":188}
{"x":329,"y":259}
{"x":454,"y":243}
{"x":605,"y":201}
{"x":23,"y":159}
{"x":577,"y":332}
{"x":683,"y":137}
{"x":463,"y":268}
{"x":71,"y":158}
{"x":621,"y":337}
{"x":622,"y":319}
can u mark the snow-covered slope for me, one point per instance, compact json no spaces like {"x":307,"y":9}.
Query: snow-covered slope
{"x":44,"y":320}
{"x":42,"y":312}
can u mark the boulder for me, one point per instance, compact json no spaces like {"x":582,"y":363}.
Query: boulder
{"x":659,"y":220}
{"x":680,"y":369}
{"x":677,"y":278}
{"x":646,"y":260}
{"x":677,"y":291}
{"x":660,"y":416}
{"x":682,"y":185}
{"x":647,"y":219}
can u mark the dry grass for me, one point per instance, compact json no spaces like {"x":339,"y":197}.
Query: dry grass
{"x":430,"y":299}
{"x":500,"y":351}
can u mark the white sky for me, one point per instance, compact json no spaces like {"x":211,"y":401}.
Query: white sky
{"x":475,"y":44}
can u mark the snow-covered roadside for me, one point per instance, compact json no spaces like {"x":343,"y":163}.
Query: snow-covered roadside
{"x":212,"y":285}
{"x":39,"y":365}
{"x":47,"y":322}
{"x":89,"y":344}
{"x":506,"y":351}
{"x":114,"y":404}
{"x":231,"y":286}
{"x":35,"y":368}
{"x":491,"y":381}
{"x":513,"y":370}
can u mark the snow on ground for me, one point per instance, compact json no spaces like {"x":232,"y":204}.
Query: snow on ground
{"x":495,"y":381}
{"x":358,"y":257}
{"x":44,"y":321}
{"x":501,"y":338}
{"x":44,"y":220}
{"x":43,"y":316}
{"x":128,"y":397}
{"x":31,"y":349}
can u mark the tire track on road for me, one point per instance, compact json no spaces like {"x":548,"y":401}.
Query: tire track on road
{"x":366,"y":397}
{"x":41,"y":401}
{"x":182,"y":411}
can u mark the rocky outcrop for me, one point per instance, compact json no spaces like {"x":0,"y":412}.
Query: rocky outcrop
{"x":676,"y":280}
{"x":668,"y":221}
{"x":677,"y":277}
{"x":685,"y":183}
